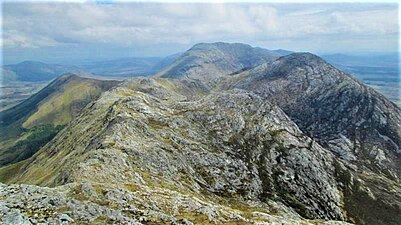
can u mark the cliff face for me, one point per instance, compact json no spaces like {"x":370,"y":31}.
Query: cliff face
{"x":292,"y":141}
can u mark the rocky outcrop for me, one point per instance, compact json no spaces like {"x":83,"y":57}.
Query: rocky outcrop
{"x":93,"y":203}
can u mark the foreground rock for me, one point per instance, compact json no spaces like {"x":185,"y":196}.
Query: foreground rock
{"x":93,"y":203}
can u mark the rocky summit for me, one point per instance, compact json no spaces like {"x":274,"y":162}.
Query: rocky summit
{"x":280,"y":140}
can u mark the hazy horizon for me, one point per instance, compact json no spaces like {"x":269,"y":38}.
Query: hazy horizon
{"x":83,"y":61}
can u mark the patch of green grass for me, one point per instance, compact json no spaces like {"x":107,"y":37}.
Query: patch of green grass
{"x":60,"y":107}
{"x":25,"y":148}
{"x":7,"y":173}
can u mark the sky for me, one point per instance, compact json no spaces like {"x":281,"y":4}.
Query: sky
{"x":71,"y":33}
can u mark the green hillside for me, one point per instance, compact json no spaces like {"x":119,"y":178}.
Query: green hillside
{"x":31,"y":124}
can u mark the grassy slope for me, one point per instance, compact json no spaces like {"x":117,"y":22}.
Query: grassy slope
{"x":35,"y":139}
{"x":31,"y":124}
{"x":60,"y":107}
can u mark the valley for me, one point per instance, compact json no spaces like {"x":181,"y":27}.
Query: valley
{"x":13,"y":93}
{"x":380,"y":72}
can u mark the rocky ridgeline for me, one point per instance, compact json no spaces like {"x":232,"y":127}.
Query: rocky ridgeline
{"x":294,"y":141}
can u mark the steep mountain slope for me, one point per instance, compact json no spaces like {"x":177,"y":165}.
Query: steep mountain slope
{"x":148,"y":132}
{"x":164,"y":63}
{"x":207,"y":61}
{"x":29,"y":125}
{"x":349,"y":118}
{"x":353,"y":121}
{"x":380,"y":72}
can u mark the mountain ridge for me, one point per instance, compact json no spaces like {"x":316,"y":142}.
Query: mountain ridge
{"x":292,"y":140}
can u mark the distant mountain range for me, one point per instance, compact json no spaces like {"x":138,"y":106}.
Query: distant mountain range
{"x":372,"y":60}
{"x":125,"y":67}
{"x":130,"y":67}
{"x":34,"y":71}
{"x":226,"y":133}
{"x":359,"y":65}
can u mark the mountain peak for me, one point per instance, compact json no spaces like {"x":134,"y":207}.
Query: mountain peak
{"x":303,"y":66}
{"x":68,"y":76}
{"x":30,"y":62}
{"x":208,"y":61}
{"x":206,"y":45}
{"x":344,"y":115}
{"x":301,"y":58}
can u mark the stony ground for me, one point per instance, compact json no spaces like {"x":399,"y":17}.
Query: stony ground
{"x":92,"y":203}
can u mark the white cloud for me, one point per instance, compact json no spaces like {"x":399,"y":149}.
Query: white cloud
{"x":35,"y":25}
